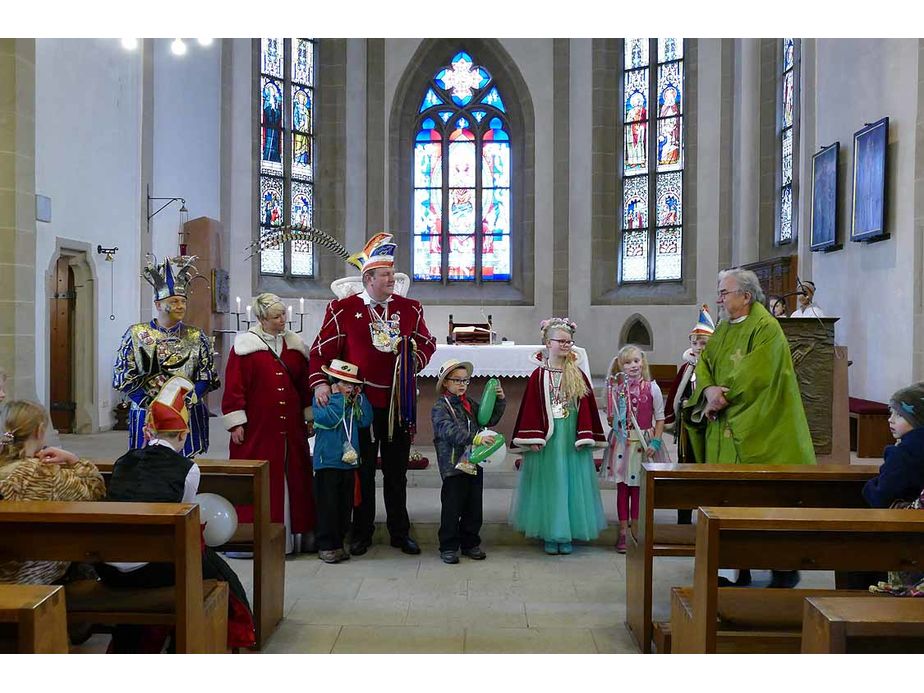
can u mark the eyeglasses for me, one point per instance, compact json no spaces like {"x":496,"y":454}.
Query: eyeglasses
{"x":724,"y":292}
{"x":460,"y":381}
{"x":563,"y":342}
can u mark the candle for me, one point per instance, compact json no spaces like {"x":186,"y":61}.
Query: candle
{"x":238,"y":299}
{"x":290,"y":313}
{"x":301,"y":306}
{"x":248,"y":313}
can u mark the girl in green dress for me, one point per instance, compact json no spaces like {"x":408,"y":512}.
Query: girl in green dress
{"x":558,"y":496}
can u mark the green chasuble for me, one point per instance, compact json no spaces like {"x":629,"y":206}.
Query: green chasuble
{"x":764,"y":422}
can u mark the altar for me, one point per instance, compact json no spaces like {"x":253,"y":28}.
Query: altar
{"x":511,"y":364}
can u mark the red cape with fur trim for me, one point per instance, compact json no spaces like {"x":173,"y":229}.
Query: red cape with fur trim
{"x":535,"y":424}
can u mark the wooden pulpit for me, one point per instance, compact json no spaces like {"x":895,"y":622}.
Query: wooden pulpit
{"x":821,"y":369}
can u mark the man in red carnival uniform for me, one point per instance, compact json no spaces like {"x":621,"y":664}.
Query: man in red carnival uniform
{"x":374,"y":329}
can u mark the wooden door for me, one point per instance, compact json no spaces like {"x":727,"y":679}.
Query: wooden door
{"x":63,"y":300}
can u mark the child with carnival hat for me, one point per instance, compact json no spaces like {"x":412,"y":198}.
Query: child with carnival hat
{"x":455,"y":430}
{"x":160,"y":473}
{"x":336,"y":455}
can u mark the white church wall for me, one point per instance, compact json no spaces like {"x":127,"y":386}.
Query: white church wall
{"x":187,"y":106}
{"x":88,"y":161}
{"x":869,"y":286}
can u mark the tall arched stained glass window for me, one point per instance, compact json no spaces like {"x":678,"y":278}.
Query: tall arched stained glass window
{"x":652,"y":170}
{"x":286,"y":98}
{"x":787,"y":111}
{"x":461,"y":205}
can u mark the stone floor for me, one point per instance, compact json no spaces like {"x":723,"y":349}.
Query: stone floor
{"x":518,"y":600}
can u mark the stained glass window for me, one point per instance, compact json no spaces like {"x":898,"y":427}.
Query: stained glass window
{"x":286,"y":99}
{"x":787,"y":109}
{"x":462,"y":178}
{"x":652,"y":168}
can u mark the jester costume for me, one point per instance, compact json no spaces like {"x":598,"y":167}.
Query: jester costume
{"x":149,"y":355}
{"x":764,"y":422}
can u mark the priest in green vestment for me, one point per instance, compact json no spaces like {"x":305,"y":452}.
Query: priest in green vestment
{"x":746,"y":408}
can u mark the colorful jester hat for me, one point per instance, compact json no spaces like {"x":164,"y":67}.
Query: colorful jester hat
{"x":170,"y":277}
{"x":379,"y":251}
{"x":705,"y":325}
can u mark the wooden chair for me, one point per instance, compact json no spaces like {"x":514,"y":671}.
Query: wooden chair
{"x":869,"y":427}
{"x":840,"y":625}
{"x":246,"y":482}
{"x":673,"y":486}
{"x":33,"y":619}
{"x":785,"y":539}
{"x":151,"y":532}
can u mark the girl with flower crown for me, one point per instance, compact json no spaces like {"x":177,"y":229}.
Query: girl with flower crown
{"x":557,"y":428}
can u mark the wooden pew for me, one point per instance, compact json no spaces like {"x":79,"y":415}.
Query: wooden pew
{"x":246,"y":482}
{"x":94,"y":532}
{"x":786,"y":539}
{"x":841,"y":625}
{"x":672,"y":486}
{"x":35,"y":616}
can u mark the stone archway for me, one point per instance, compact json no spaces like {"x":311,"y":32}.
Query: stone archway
{"x":86,"y":391}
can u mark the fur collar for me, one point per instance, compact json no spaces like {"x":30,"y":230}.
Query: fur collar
{"x":247,"y":343}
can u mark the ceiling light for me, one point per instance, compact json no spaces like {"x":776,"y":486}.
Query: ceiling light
{"x":178,"y":47}
{"x":129,"y":44}
{"x":205,"y":41}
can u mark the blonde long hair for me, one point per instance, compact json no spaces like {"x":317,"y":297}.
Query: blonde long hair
{"x":23,"y":421}
{"x":627,"y":352}
{"x":573,"y":385}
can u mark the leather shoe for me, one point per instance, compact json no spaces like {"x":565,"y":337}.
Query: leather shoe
{"x":449,"y":557}
{"x":406,"y":544}
{"x":359,"y":547}
{"x":475,"y":553}
{"x":785,"y":579}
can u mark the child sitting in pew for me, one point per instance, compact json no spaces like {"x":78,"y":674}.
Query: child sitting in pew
{"x":901,"y":476}
{"x":158,"y":473}
{"x":31,"y":471}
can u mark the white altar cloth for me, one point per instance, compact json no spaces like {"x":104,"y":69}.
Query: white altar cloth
{"x":495,"y":360}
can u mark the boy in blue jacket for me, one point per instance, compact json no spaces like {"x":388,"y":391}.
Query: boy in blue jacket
{"x":901,"y":476}
{"x":455,"y":429}
{"x":336,"y":456}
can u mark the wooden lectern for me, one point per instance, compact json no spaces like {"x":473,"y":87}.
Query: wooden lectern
{"x":821,"y":369}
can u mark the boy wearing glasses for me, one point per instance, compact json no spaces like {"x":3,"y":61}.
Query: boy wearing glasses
{"x":455,"y":430}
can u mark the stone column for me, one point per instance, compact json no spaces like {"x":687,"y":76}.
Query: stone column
{"x":17,"y":216}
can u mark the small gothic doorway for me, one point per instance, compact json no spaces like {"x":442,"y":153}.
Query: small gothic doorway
{"x":63,"y":303}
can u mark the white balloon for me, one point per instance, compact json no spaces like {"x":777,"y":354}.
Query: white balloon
{"x":219,"y":518}
{"x":495,"y":458}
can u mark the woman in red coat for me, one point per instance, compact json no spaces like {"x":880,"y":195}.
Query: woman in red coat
{"x":266,"y":393}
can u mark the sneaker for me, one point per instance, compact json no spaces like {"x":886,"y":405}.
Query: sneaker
{"x":551,"y":548}
{"x":565,"y":548}
{"x":475,"y":553}
{"x":621,"y":543}
{"x":449,"y":557}
{"x":329,"y":556}
{"x":342,"y":555}
{"x":242,"y":555}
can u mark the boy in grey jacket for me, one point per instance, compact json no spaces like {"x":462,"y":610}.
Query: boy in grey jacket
{"x":455,"y":428}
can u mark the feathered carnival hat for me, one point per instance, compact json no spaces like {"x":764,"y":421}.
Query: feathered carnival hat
{"x":379,"y":251}
{"x":545,"y":326}
{"x":170,"y":277}
{"x":705,"y":325}
{"x":168,"y":412}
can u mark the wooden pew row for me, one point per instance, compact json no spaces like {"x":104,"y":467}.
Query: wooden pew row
{"x":33,"y":619}
{"x":785,"y":539}
{"x":152,"y":532}
{"x":673,"y":486}
{"x":246,"y":482}
{"x":842,"y":625}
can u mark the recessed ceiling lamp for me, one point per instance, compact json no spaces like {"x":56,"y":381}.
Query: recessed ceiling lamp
{"x":178,"y":47}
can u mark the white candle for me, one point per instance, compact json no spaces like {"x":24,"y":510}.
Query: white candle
{"x":248,"y":313}
{"x":301,"y":306}
{"x":238,"y":299}
{"x":290,"y":313}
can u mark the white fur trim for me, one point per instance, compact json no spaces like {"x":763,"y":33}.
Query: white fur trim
{"x":350,"y":286}
{"x":248,"y":343}
{"x":234,"y":418}
{"x":522,"y":442}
